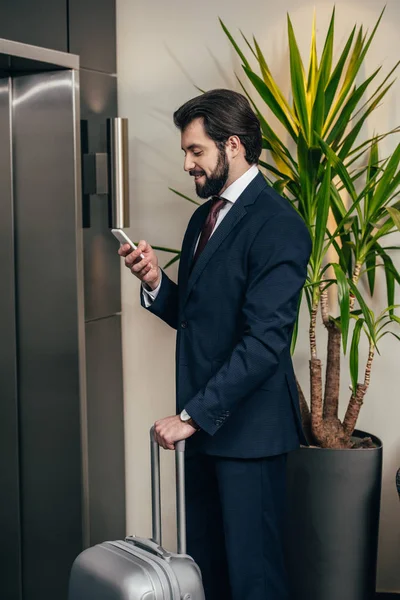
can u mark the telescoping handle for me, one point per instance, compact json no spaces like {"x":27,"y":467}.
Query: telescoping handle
{"x":180,"y":492}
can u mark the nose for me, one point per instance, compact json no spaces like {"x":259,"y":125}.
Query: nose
{"x":188,"y":165}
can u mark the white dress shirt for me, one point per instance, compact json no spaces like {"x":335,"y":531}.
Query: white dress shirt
{"x":231,"y":194}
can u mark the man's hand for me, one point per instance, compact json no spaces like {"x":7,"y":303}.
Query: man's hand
{"x":170,"y":430}
{"x":146,"y":269}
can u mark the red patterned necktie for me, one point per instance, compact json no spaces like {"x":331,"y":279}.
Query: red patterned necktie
{"x":208,"y":227}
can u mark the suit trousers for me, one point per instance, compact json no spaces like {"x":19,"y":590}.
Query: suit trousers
{"x":235,"y":522}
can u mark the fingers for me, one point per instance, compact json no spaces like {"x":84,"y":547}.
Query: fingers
{"x":140,"y":261}
{"x":132,"y":256}
{"x":124,"y":250}
{"x":138,"y":265}
{"x":142,"y":248}
{"x":142,"y":272}
{"x":162,"y":437}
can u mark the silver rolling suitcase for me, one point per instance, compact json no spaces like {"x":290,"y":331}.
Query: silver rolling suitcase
{"x":140,"y":569}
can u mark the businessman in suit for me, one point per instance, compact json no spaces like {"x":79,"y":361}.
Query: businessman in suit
{"x":242,"y":268}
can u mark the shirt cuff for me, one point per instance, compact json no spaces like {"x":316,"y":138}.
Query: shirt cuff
{"x":150,"y":295}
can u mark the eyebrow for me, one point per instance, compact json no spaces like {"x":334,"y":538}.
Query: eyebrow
{"x":193,"y":146}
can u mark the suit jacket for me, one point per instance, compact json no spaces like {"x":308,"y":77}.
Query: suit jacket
{"x":234,"y":313}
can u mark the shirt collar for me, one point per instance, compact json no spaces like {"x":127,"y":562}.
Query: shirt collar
{"x":236,"y":188}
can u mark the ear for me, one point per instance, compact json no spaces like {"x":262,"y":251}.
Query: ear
{"x":234,"y":146}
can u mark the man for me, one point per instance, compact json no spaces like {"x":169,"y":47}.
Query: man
{"x":243,"y":265}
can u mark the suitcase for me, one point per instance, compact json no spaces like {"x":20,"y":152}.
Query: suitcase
{"x":137,"y":568}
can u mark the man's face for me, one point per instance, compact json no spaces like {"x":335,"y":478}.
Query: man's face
{"x":204,"y":160}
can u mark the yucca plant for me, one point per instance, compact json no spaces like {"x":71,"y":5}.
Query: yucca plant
{"x":346,"y":195}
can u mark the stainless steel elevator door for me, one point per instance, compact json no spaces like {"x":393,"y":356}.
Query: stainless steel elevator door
{"x":10,"y":533}
{"x":48,"y":287}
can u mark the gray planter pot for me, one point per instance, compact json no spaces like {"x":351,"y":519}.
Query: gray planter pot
{"x":333,"y":519}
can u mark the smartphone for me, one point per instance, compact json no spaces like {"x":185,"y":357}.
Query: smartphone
{"x":123,"y":239}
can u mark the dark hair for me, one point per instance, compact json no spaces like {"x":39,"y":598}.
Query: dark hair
{"x":224,"y":113}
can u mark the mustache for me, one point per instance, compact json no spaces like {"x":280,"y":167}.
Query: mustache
{"x":196,"y":173}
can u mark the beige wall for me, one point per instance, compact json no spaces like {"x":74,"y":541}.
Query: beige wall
{"x":164,"y":48}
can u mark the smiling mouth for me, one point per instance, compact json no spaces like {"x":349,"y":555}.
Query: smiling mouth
{"x":197,"y":177}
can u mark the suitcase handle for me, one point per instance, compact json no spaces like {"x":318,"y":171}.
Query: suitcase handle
{"x":180,"y":492}
{"x":149,"y":546}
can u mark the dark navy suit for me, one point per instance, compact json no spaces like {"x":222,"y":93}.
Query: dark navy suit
{"x":234,"y":313}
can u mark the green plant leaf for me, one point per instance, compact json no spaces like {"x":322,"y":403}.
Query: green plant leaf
{"x":234,"y":44}
{"x":272,"y":169}
{"x":343,"y":119}
{"x":339,"y":167}
{"x":355,"y":63}
{"x":306,"y":175}
{"x":281,"y":154}
{"x":343,"y":255}
{"x":172,"y":261}
{"x":323,"y":203}
{"x":249,"y":45}
{"x":395,"y":214}
{"x":389,"y":286}
{"x":298,"y":82}
{"x":367,"y":313}
{"x":270,"y":100}
{"x":336,"y":76}
{"x":349,"y":140}
{"x":370,"y":262}
{"x":395,"y":318}
{"x":356,"y":51}
{"x":327,"y":53}
{"x":391,"y":333}
{"x":360,"y":150}
{"x":313,"y":62}
{"x":354,"y":353}
{"x":280,"y":185}
{"x":317,"y":111}
{"x":163,"y":249}
{"x":372,"y":173}
{"x":344,"y":303}
{"x":273,"y":86}
{"x":378,"y":89}
{"x":385,"y":185}
{"x":391,"y":275}
{"x":183,"y":196}
{"x":388,"y":263}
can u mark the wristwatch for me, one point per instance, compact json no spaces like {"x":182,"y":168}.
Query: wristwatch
{"x":186,"y":418}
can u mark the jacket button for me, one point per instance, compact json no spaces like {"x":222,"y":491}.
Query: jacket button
{"x":184,"y":324}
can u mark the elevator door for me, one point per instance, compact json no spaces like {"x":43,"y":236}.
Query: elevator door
{"x":10,"y":532}
{"x":41,"y":324}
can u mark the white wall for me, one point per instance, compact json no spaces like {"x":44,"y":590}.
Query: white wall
{"x":165,"y":47}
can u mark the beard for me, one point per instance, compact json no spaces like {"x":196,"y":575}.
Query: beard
{"x":215,"y":182}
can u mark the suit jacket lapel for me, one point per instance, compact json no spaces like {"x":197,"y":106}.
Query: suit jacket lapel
{"x":189,"y":243}
{"x":234,"y":216}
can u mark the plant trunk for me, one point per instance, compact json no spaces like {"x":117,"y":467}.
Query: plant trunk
{"x":357,"y":399}
{"x":356,"y":275}
{"x":332,"y":377}
{"x":317,"y":424}
{"x":353,"y":409}
{"x":324,"y":304}
{"x":313,"y":324}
